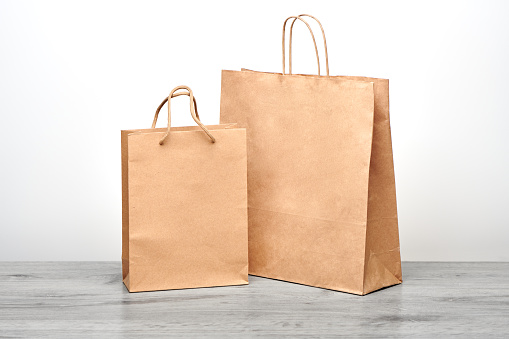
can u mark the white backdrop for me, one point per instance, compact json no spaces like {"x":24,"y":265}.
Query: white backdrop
{"x":74,"y":73}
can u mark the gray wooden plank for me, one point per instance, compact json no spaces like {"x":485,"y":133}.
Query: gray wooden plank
{"x":88,"y":299}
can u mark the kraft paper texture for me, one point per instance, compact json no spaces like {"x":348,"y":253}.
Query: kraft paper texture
{"x":184,"y":208}
{"x":321,"y":189}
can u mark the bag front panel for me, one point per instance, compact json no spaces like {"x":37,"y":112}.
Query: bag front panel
{"x":309,"y":145}
{"x":187,"y":210}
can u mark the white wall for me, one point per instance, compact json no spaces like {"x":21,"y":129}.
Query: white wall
{"x":74,"y":73}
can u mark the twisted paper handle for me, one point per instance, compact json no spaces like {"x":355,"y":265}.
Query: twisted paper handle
{"x":299,"y":17}
{"x":193,"y":109}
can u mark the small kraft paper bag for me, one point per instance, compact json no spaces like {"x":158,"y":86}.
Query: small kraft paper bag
{"x":184,"y":205}
{"x":321,"y":188}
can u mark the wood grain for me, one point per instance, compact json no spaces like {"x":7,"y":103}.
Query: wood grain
{"x":88,"y":299}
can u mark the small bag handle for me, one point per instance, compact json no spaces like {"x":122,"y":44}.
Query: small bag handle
{"x":299,"y":17}
{"x":166,"y":99}
{"x":193,"y":109}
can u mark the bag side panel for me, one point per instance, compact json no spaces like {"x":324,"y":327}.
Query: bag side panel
{"x":383,"y":261}
{"x":125,"y":206}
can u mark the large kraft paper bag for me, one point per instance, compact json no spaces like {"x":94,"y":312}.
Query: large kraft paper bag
{"x":184,"y":205}
{"x":321,"y":189}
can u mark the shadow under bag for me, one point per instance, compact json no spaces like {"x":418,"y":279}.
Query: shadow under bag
{"x":321,"y":188}
{"x":184,"y":205}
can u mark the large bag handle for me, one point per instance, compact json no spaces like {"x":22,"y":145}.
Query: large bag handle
{"x":299,"y":17}
{"x":284,"y":47}
{"x":194,"y":113}
{"x":324,"y":42}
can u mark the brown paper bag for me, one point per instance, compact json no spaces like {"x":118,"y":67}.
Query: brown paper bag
{"x":184,"y":205}
{"x":321,"y":191}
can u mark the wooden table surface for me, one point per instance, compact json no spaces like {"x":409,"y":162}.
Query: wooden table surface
{"x":88,"y":299}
